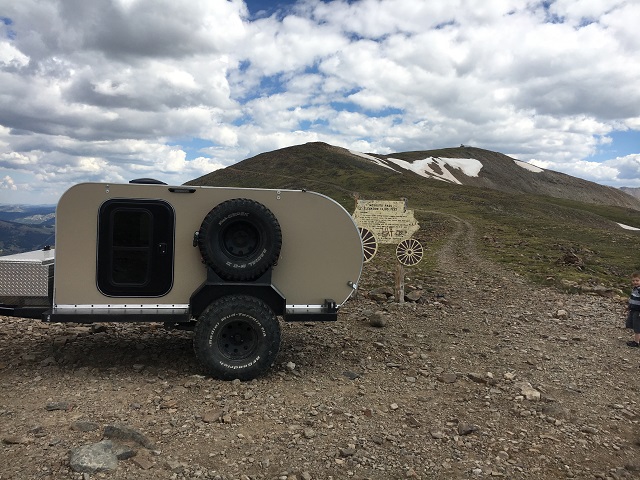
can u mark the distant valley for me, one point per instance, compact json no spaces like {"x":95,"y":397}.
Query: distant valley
{"x":26,"y":227}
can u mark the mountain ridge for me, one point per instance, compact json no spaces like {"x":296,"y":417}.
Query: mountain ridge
{"x":497,"y":171}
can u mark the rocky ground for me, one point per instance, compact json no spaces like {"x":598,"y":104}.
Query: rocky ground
{"x":485,"y":376}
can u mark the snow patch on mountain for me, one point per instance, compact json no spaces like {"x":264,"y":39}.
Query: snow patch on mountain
{"x":528,"y":166}
{"x":373,"y":159}
{"x":432,"y":167}
{"x":438,"y":168}
{"x":627,"y":227}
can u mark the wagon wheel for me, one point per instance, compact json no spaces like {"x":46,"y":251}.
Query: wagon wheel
{"x":409,"y":252}
{"x":369,"y":243}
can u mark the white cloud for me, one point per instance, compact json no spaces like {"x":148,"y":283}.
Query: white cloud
{"x":620,"y":171}
{"x":7,"y":183}
{"x":105,"y":90}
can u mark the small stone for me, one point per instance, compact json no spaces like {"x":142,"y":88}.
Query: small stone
{"x":143,"y":462}
{"x":414,"y":296}
{"x":437,"y":434}
{"x":291,"y":366}
{"x":589,"y":429}
{"x":467,"y":428}
{"x":211,"y":417}
{"x":52,"y":406}
{"x":350,"y":451}
{"x":476,"y":377}
{"x":124,"y":433}
{"x":378,"y":320}
{"x":528,"y":391}
{"x":124,"y":452}
{"x":98,"y":328}
{"x":556,"y":411}
{"x":448,"y":378}
{"x":413,"y":422}
{"x":15,"y":440}
{"x":502,"y":456}
{"x":83,"y":426}
{"x":351,"y":375}
{"x":411,"y":473}
{"x":309,"y":433}
{"x":98,"y":457}
{"x":47,"y":362}
{"x":175,"y":466}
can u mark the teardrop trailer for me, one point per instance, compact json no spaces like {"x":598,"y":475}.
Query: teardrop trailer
{"x":225,"y":262}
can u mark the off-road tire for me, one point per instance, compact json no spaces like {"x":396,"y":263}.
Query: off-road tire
{"x":237,"y":337}
{"x":240,"y":239}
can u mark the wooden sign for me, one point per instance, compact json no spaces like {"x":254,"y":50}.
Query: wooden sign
{"x":388,"y":220}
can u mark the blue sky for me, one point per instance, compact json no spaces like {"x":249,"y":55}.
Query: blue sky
{"x":112,"y":90}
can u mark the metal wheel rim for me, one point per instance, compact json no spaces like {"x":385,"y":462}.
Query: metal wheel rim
{"x":237,"y":340}
{"x":240,"y":239}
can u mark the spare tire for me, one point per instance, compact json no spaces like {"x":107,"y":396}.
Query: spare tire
{"x":240,"y":239}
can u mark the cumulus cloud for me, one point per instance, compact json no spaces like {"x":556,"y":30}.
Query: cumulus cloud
{"x":110,"y":90}
{"x":7,"y":183}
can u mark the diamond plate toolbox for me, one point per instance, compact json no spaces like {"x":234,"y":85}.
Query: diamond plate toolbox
{"x":26,"y":278}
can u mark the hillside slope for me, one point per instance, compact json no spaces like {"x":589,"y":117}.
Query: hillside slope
{"x":507,"y":174}
{"x":26,"y":227}
{"x":17,"y":237}
{"x":633,"y":191}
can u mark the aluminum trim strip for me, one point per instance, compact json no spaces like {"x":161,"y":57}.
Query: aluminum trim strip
{"x":132,"y":306}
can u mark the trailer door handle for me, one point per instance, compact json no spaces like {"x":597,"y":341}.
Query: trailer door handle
{"x":162,"y":248}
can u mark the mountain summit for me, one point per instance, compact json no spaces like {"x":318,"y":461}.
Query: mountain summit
{"x":302,"y":165}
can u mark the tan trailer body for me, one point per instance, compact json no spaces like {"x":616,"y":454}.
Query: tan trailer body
{"x":321,"y":255}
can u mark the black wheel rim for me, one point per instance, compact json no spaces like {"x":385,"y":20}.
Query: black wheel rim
{"x":240,"y":239}
{"x":237,"y":340}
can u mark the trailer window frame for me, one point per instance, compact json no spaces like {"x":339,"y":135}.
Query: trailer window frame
{"x":135,"y":252}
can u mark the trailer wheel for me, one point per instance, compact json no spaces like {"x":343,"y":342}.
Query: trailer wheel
{"x":237,"y":337}
{"x":240,"y":239}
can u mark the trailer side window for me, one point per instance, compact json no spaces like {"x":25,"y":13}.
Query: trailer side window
{"x":131,"y":249}
{"x":135,"y":248}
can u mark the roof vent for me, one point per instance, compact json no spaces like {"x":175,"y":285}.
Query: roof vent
{"x":147,"y":181}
